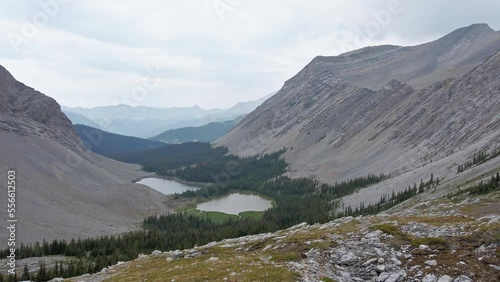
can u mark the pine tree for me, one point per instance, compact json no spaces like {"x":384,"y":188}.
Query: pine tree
{"x":12,"y":278}
{"x":55,"y":270}
{"x":42,"y":273}
{"x":61,"y":269}
{"x":421,"y":187}
{"x":26,"y":273}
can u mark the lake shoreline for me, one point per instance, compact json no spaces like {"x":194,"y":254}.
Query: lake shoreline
{"x":185,"y":182}
{"x":218,"y":208}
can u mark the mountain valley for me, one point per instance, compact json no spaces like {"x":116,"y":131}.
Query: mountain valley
{"x":379,"y":164}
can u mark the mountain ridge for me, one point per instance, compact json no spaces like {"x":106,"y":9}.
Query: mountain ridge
{"x":336,"y":129}
{"x":372,"y":67}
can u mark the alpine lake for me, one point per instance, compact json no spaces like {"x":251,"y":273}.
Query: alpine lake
{"x":234,"y":206}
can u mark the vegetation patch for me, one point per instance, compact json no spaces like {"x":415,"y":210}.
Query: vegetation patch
{"x":433,"y":242}
{"x":227,"y":266}
{"x":390,"y":229}
{"x":286,"y":257}
{"x":433,"y":220}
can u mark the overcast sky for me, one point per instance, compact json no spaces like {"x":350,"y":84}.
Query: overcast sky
{"x":211,"y":53}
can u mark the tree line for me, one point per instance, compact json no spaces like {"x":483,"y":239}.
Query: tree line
{"x":487,"y":187}
{"x":61,"y":269}
{"x":477,"y":159}
{"x":386,"y":202}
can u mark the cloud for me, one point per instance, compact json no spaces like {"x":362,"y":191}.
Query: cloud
{"x":214,"y":53}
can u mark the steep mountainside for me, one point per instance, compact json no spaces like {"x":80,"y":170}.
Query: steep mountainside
{"x":411,"y":114}
{"x":205,"y":133}
{"x":63,"y":190}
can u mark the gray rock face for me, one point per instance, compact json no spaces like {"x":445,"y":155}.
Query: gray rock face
{"x":26,"y":111}
{"x":381,"y":109}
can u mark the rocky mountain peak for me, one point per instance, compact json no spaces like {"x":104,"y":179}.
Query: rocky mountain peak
{"x":466,"y":35}
{"x":419,"y":66}
{"x":478,"y":27}
{"x":25,"y":111}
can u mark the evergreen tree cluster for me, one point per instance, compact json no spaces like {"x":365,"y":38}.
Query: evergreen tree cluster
{"x":229,"y":168}
{"x":70,"y":268}
{"x":387,"y":202}
{"x":485,"y":188}
{"x":173,"y":156}
{"x":477,"y":159}
{"x":166,"y":232}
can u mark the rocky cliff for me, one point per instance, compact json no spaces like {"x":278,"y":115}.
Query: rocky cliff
{"x":25,"y":111}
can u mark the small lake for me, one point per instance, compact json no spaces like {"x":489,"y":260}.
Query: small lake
{"x":236,"y":203}
{"x":166,"y":186}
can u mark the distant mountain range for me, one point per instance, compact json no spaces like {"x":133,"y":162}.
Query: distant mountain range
{"x":77,"y":118}
{"x":145,"y":122}
{"x":206,"y":133}
{"x":110,"y":144}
